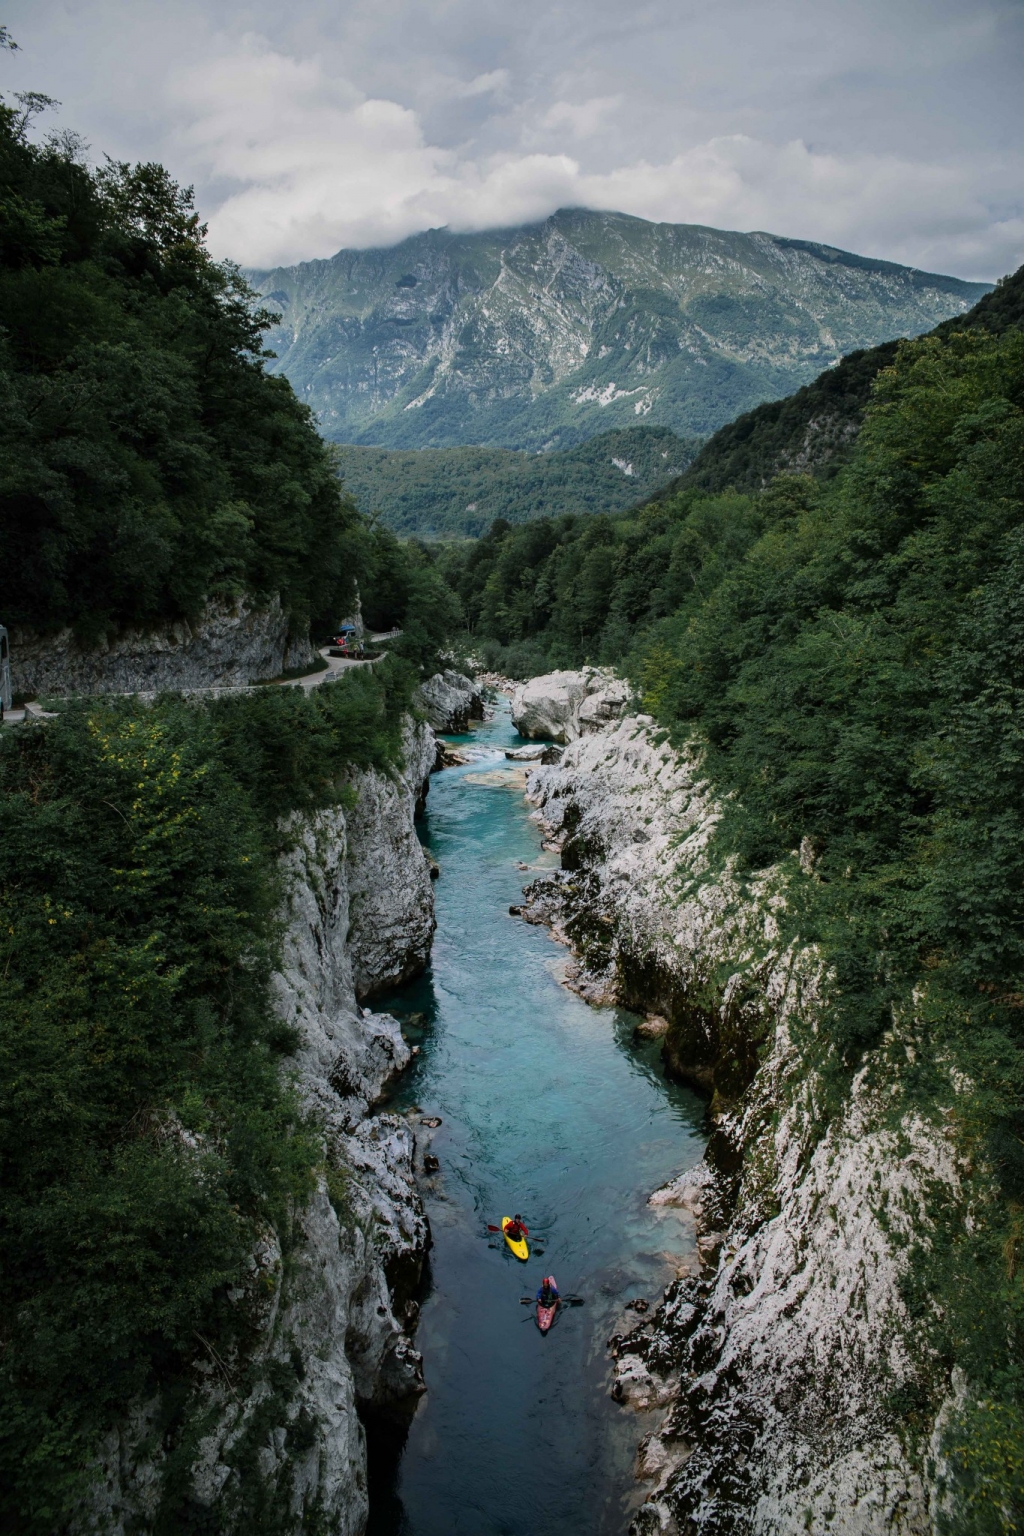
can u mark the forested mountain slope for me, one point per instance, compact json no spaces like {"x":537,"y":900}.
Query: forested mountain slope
{"x":815,"y":428}
{"x":565,"y":590}
{"x":148,"y":461}
{"x":543,"y":335}
{"x":460,"y":491}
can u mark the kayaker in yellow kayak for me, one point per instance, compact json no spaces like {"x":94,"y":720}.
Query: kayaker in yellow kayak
{"x":515,"y":1232}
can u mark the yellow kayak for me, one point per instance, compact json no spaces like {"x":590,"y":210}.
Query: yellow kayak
{"x":517,"y":1244}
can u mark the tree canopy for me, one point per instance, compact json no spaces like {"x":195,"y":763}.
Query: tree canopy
{"x":147,"y":460}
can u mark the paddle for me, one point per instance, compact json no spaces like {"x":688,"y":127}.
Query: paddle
{"x":566,"y":1301}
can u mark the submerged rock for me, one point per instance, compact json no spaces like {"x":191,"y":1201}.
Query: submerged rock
{"x":450,"y":757}
{"x":654,"y":1027}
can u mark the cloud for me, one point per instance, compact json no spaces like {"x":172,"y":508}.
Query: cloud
{"x":493,"y":80}
{"x":890,"y":130}
{"x":921,"y":213}
{"x":583,"y":120}
{"x":308,"y":164}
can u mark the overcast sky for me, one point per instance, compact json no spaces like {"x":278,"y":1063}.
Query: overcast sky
{"x":889,"y":127}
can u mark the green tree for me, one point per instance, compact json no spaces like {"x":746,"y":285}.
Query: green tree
{"x":147,"y":461}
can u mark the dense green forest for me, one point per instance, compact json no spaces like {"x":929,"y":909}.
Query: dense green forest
{"x":148,"y":462}
{"x":461,"y":491}
{"x":849,"y":653}
{"x":148,"y":1135}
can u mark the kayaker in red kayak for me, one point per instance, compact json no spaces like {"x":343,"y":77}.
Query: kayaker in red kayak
{"x":547,"y":1303}
{"x":517,"y":1228}
{"x":548,"y":1293}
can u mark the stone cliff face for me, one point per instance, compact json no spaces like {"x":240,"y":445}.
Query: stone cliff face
{"x":450,"y":701}
{"x":783,"y":1361}
{"x":230,"y":645}
{"x":391,"y":902}
{"x":328,"y":1300}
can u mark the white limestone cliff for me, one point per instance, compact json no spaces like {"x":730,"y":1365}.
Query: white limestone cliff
{"x":450,"y":700}
{"x":781,"y":1362}
{"x":326,"y":1300}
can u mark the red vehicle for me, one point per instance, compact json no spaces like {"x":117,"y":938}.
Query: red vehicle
{"x":347,"y":642}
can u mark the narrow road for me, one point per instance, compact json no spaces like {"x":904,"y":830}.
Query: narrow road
{"x":336,"y":665}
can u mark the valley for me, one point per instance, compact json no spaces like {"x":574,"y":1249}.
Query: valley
{"x":459,"y":492}
{"x":547,"y":1105}
{"x":659,"y":875}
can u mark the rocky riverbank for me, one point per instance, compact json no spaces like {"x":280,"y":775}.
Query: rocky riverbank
{"x":563,"y":705}
{"x":329,"y":1299}
{"x":784,"y":1362}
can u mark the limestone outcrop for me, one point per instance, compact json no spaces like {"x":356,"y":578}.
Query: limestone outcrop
{"x":450,"y":701}
{"x":561,"y":706}
{"x":229,"y":645}
{"x":783,"y":1361}
{"x":326,"y":1299}
{"x":391,"y":899}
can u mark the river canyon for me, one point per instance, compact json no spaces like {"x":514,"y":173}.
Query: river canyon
{"x":551,"y":1107}
{"x":689,"y":926}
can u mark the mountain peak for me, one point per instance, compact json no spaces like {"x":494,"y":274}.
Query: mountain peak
{"x":541,"y":335}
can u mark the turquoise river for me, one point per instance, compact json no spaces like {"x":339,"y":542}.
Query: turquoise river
{"x":550,"y":1109}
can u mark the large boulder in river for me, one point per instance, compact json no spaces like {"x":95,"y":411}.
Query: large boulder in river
{"x":560,"y":706}
{"x":450,"y":701}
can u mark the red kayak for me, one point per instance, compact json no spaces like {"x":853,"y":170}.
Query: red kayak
{"x":546,"y":1315}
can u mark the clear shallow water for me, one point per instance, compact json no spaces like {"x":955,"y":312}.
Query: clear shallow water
{"x":548,"y":1109}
